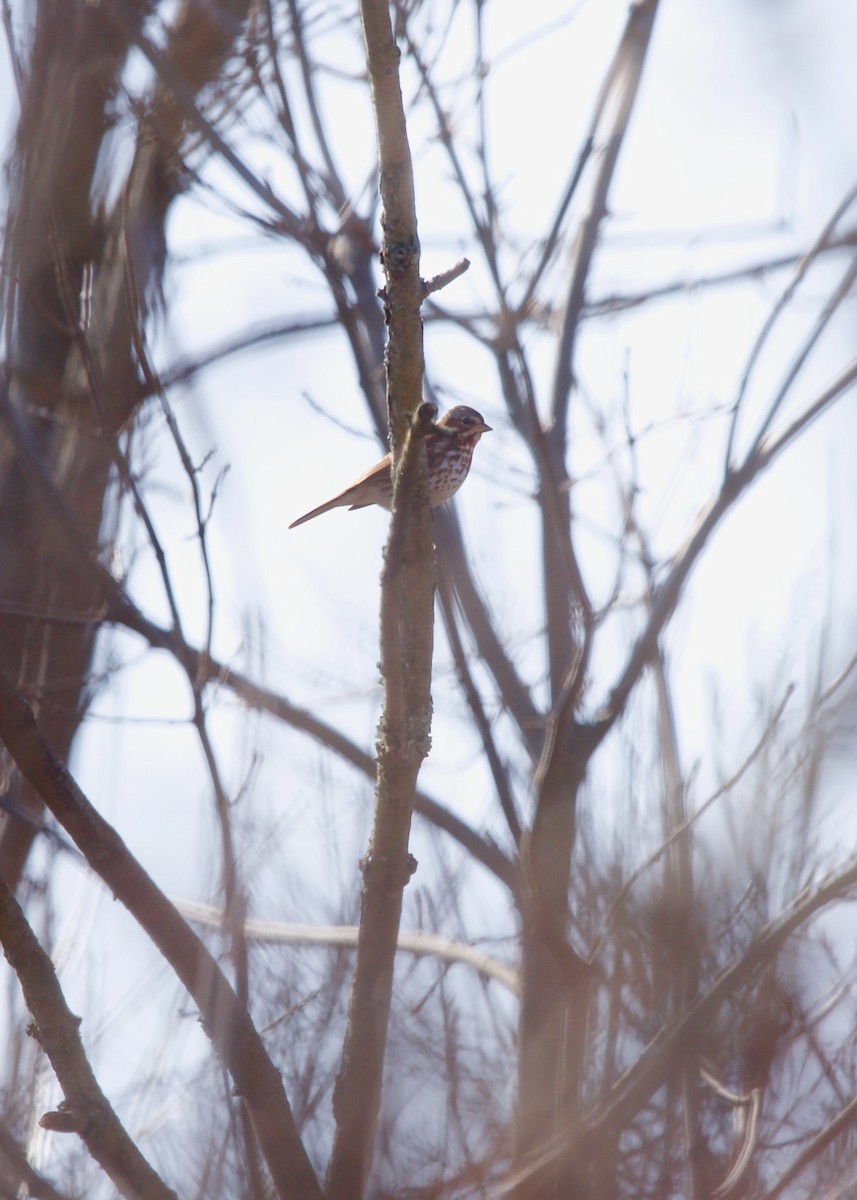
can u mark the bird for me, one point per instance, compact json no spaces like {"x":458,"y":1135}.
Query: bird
{"x":449,"y":454}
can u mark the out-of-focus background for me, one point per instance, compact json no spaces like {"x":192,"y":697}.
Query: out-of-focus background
{"x":658,"y":206}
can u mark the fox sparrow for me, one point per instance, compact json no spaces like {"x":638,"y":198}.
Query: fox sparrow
{"x":449,"y":454}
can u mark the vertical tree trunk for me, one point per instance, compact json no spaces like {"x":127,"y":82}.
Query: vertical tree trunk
{"x":407,"y":628}
{"x":554,"y":982}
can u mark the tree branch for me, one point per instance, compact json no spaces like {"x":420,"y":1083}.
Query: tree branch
{"x":651,"y":1070}
{"x":407,"y":614}
{"x":85,"y":1110}
{"x":419,"y":943}
{"x":20,"y":1172}
{"x":224,"y":1020}
{"x":737,"y":481}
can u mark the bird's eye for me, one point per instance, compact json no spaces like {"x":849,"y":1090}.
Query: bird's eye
{"x":467,"y":420}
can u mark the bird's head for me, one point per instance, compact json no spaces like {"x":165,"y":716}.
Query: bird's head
{"x":466,"y":423}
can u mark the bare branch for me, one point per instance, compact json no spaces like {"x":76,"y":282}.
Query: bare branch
{"x":621,"y":302}
{"x":844,"y":1120}
{"x":407,"y":613}
{"x":172,"y":69}
{"x":620,"y":92}
{"x":652,"y":1068}
{"x":88,"y":1111}
{"x":454,"y":568}
{"x":224,"y":1019}
{"x":734,"y":486}
{"x":186,"y":369}
{"x":822,"y":243}
{"x":724,"y":788}
{"x":446,"y":277}
{"x":22,"y":1173}
{"x":499,"y":772}
{"x":419,"y":943}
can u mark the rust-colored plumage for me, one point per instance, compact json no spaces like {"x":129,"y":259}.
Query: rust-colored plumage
{"x":448,"y":455}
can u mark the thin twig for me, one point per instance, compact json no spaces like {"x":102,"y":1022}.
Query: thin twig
{"x":833,"y":302}
{"x":739,"y":480}
{"x":844,"y":1121}
{"x":821,"y":244}
{"x":678,"y":830}
{"x":445,"y":277}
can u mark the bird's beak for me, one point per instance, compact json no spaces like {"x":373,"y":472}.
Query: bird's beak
{"x":483,"y":428}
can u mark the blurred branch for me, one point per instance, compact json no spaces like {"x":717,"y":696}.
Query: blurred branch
{"x":652,"y":1069}
{"x":844,"y":1121}
{"x":223,"y":1018}
{"x":615,"y":105}
{"x":249,"y":339}
{"x":456,"y":573}
{"x":666,"y":597}
{"x":480,"y":220}
{"x":825,"y":241}
{"x":18,"y":1173}
{"x":331,"y":175}
{"x":52,"y":239}
{"x":179,"y":75}
{"x":552,"y":241}
{"x":193,"y":667}
{"x":499,"y":772}
{"x":839,"y":295}
{"x":12,"y":46}
{"x":749,"y":1119}
{"x":419,"y":943}
{"x":618,"y":302}
{"x":725,"y":787}
{"x":566,"y":601}
{"x":647,"y":1074}
{"x":769,"y":449}
{"x":86,"y":1110}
